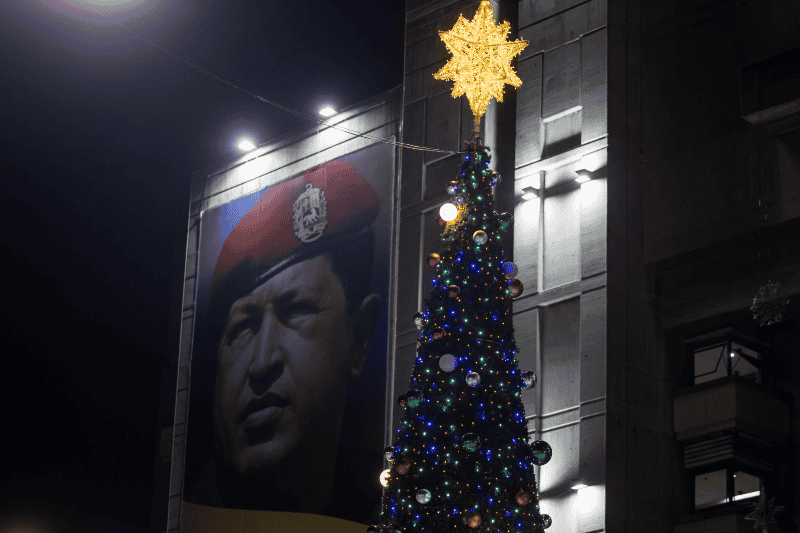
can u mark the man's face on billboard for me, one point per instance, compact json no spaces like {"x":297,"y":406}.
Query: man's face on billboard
{"x":283,"y":364}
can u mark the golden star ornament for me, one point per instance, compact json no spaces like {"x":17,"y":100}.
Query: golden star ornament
{"x":481,"y":62}
{"x":764,"y":512}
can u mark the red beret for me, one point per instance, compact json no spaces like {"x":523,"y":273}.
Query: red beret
{"x":293,"y":220}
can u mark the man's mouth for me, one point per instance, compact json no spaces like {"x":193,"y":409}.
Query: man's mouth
{"x":262,"y":403}
{"x":260,"y":415}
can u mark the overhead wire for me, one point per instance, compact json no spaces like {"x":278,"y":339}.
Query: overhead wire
{"x":280,"y":106}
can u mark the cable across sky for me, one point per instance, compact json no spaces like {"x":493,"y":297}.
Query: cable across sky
{"x":279,"y":106}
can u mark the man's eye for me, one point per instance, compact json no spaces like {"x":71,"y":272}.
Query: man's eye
{"x":304,"y":308}
{"x":241,"y":327}
{"x":300,"y":309}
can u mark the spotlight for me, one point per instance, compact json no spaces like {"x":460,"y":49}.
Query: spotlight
{"x":327,"y":111}
{"x":529,"y":193}
{"x":245,"y":145}
{"x":583,"y":175}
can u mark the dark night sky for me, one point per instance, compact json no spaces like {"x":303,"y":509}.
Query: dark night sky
{"x":100,"y":135}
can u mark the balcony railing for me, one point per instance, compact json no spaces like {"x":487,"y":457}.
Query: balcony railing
{"x":729,"y":419}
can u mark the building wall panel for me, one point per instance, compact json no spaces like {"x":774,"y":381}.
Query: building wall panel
{"x":561,"y":80}
{"x":594,"y":198}
{"x":526,"y":334}
{"x":591,"y":509}
{"x":591,"y":468}
{"x":420,"y":83}
{"x":438,"y":175}
{"x":557,"y":475}
{"x":562,"y":510}
{"x":412,"y":160}
{"x":533,"y":11}
{"x":560,"y":334}
{"x":526,"y":243}
{"x":564,"y":27}
{"x":562,"y":131}
{"x":561,"y":240}
{"x":593,"y":345}
{"x":529,"y":112}
{"x":408,"y":270}
{"x":442,"y":124}
{"x":593,"y":85}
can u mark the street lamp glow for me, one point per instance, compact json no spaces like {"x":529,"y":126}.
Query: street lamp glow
{"x":327,"y":111}
{"x":448,"y":212}
{"x":245,"y":145}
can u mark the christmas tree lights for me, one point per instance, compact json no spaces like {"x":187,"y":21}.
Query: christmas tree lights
{"x":461,"y":460}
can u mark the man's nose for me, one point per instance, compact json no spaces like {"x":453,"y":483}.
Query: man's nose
{"x":267,"y":362}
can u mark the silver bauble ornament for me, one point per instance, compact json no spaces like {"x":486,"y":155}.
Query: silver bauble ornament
{"x":528,"y":379}
{"x":515,"y":288}
{"x":480,"y":237}
{"x":413,"y":398}
{"x":448,"y":362}
{"x":471,"y":442}
{"x":542,"y":452}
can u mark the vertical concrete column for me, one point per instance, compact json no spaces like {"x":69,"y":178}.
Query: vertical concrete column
{"x":431,"y":118}
{"x":639,"y":447}
{"x":561,"y":245}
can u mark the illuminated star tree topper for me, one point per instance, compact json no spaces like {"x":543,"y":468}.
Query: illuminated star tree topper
{"x":481,"y":62}
{"x":764,"y":512}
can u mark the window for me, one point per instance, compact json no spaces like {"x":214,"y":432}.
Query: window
{"x":724,"y":486}
{"x":745,"y":485}
{"x":710,"y":489}
{"x":725,"y":358}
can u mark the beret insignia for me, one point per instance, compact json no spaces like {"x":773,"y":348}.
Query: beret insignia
{"x":309,"y":214}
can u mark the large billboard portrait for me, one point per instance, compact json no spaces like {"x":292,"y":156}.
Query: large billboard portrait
{"x":288,"y":367}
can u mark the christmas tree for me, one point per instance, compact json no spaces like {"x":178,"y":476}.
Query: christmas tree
{"x":461,"y":460}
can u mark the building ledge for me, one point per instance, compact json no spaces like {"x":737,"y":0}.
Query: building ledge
{"x":726,"y":405}
{"x":771,"y":92}
{"x":728,"y":518}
